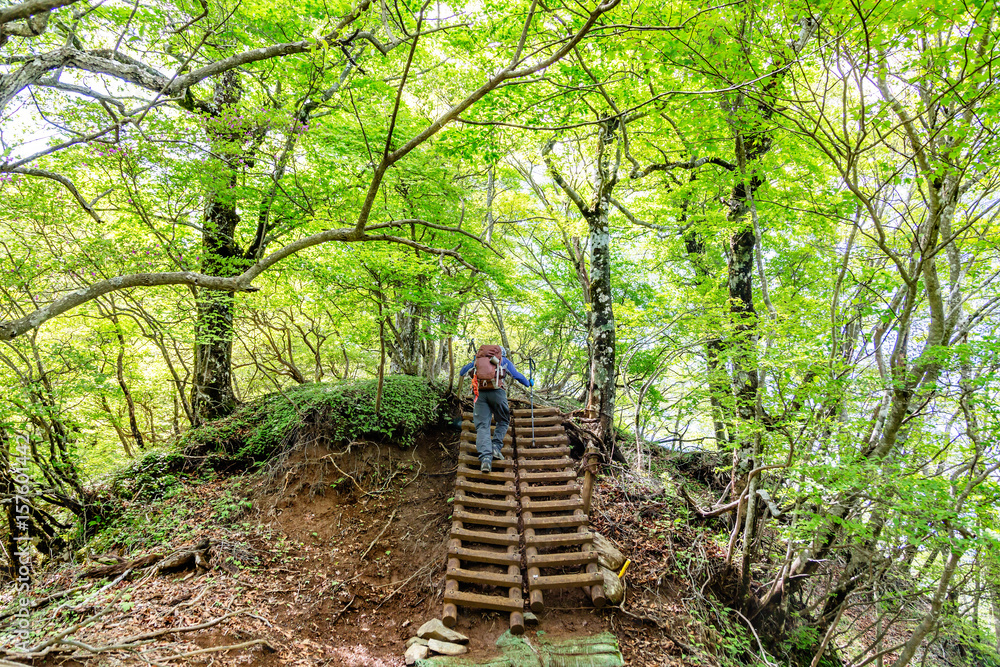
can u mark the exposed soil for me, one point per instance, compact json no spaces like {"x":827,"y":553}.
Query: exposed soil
{"x":346,"y":553}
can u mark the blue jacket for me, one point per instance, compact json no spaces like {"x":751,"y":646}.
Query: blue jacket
{"x":508,"y":366}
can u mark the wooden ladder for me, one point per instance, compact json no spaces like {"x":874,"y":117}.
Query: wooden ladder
{"x":534,"y":489}
{"x":556,"y":529}
{"x":484,"y":535}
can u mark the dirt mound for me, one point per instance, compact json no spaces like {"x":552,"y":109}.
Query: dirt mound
{"x":337,"y":559}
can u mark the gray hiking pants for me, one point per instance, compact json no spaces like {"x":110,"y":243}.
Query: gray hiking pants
{"x":491,"y":403}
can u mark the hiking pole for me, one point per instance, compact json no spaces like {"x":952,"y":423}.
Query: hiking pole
{"x":531,"y":373}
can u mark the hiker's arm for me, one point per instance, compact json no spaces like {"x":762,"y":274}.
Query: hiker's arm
{"x":466,"y":368}
{"x":515,"y":373}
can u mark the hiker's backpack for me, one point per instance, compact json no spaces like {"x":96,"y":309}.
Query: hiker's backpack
{"x":488,"y":371}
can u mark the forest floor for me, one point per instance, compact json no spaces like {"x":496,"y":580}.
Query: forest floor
{"x":335,"y":558}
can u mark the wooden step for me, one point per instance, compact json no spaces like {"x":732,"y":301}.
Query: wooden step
{"x":473,"y":462}
{"x":548,"y":582}
{"x":476,"y":473}
{"x":470,"y":449}
{"x":483,"y":578}
{"x":524,"y":441}
{"x":525,"y":431}
{"x":490,"y":557}
{"x":484,"y":537}
{"x":488,"y":489}
{"x":548,"y":476}
{"x":528,"y":464}
{"x":530,"y":505}
{"x":559,"y":490}
{"x":539,"y":410}
{"x":562,"y":560}
{"x":471,"y":437}
{"x":488,"y":503}
{"x":478,"y":601}
{"x":492,"y":519}
{"x":563,"y":540}
{"x":556,"y":521}
{"x":540,"y":452}
{"x":543,"y":420}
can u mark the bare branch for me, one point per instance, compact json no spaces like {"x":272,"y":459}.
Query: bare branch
{"x":66,"y":183}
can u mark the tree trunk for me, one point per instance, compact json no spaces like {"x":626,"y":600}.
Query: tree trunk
{"x":212,"y":393}
{"x":120,"y":373}
{"x":602,"y":304}
{"x":931,"y":618}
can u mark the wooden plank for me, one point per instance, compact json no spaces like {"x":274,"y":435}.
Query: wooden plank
{"x":488,"y":489}
{"x":487,"y":519}
{"x":483,"y":578}
{"x":539,"y":491}
{"x":562,"y":560}
{"x":538,"y":522}
{"x":470,"y":449}
{"x":471,"y":437}
{"x":485,"y":503}
{"x":564,"y":540}
{"x":524,"y":431}
{"x":475,"y":473}
{"x":477,"y":601}
{"x":482,"y":556}
{"x":541,"y":452}
{"x":544,"y":420}
{"x":473,"y":461}
{"x":548,"y":582}
{"x":539,"y":410}
{"x":549,"y":476}
{"x":483,"y":537}
{"x":550,"y":505}
{"x":549,"y":441}
{"x":529,"y":464}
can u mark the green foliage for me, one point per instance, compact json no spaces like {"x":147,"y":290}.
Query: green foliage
{"x":153,"y":476}
{"x":230,"y":506}
{"x":344,"y":411}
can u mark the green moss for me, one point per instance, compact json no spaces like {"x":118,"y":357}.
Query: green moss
{"x":338,"y":412}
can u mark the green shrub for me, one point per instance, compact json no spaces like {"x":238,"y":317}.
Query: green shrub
{"x":338,"y":412}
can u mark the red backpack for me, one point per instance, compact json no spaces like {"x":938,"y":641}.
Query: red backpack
{"x":488,"y":372}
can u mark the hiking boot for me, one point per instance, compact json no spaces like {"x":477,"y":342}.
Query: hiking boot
{"x":497,"y":455}
{"x":485,"y":466}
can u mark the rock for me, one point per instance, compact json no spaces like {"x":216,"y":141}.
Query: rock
{"x":416,"y":652}
{"x":530,"y":619}
{"x":608,"y":554}
{"x":415,"y":640}
{"x":435,"y":629}
{"x":613,"y":589}
{"x":446,"y":648}
{"x":405,"y":623}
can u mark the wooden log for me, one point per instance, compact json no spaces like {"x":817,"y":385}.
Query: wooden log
{"x":483,"y":556}
{"x":487,"y":519}
{"x":479,"y":601}
{"x":576,"y":580}
{"x":482,"y":577}
{"x":483,"y":537}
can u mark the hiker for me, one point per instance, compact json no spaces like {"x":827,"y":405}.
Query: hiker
{"x":488,"y":371}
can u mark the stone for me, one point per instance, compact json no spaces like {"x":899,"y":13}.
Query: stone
{"x":416,"y":652}
{"x":614,"y":591}
{"x":608,"y":554}
{"x":446,"y":648}
{"x":435,"y":629}
{"x":530,"y":618}
{"x":415,"y":640}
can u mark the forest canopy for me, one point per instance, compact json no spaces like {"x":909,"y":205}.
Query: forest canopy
{"x":764,"y":229}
